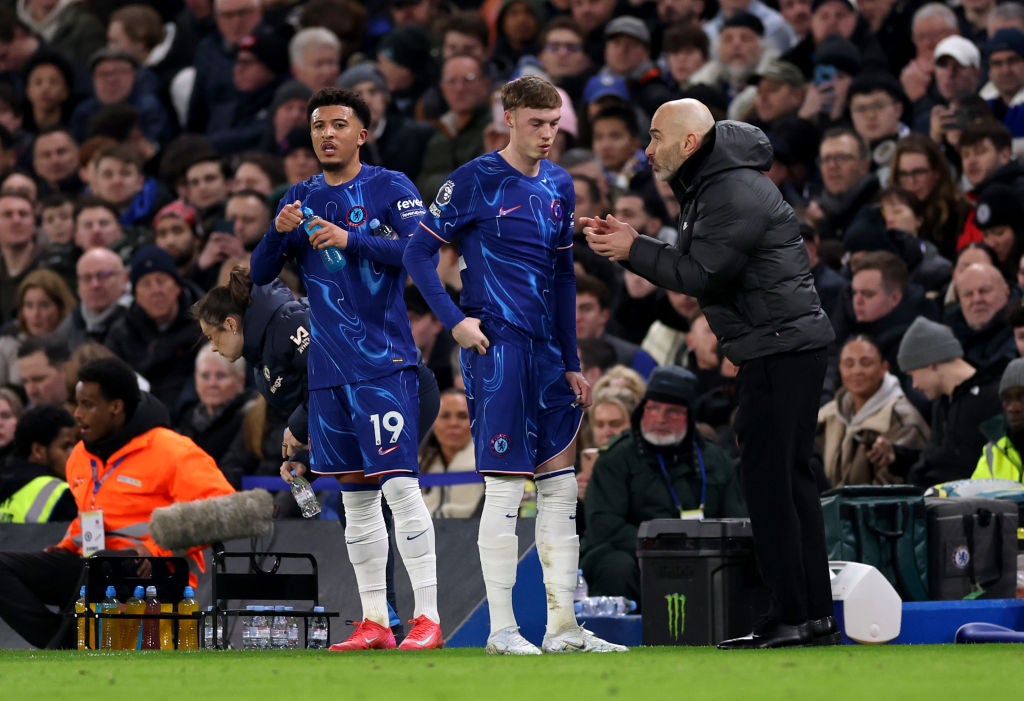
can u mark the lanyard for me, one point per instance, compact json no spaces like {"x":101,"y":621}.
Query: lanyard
{"x":703,"y":479}
{"x":96,"y":481}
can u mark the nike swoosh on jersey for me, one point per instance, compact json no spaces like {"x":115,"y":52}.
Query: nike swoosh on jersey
{"x":381,"y":451}
{"x":414,"y":537}
{"x":502,"y":211}
{"x":510,"y":515}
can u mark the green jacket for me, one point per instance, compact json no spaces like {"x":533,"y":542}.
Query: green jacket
{"x":999,"y":458}
{"x":628,"y":488}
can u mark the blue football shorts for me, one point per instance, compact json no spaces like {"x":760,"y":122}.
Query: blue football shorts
{"x":367,"y":427}
{"x":521,"y":408}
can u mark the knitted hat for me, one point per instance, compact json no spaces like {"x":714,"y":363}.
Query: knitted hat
{"x":408,"y":46}
{"x":152,"y":259}
{"x":290,"y":90}
{"x":1013,"y":375}
{"x":998,"y":205}
{"x":109,"y":54}
{"x":836,"y":51}
{"x":603,"y":85}
{"x":672,"y":385}
{"x":1008,"y":39}
{"x":362,"y":73}
{"x":926,"y":342}
{"x":815,"y":4}
{"x":745,"y":19}
{"x":295,"y":139}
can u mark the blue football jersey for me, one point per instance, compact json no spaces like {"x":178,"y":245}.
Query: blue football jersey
{"x":358,"y":321}
{"x":514,"y":234}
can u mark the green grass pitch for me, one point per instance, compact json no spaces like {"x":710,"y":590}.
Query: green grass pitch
{"x":926,"y":672}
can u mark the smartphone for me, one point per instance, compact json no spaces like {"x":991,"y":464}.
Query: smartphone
{"x":824,"y":73}
{"x":224,"y":226}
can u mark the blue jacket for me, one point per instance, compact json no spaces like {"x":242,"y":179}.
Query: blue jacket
{"x":276,"y":328}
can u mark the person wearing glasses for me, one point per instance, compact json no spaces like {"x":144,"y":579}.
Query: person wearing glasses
{"x":849,"y":185}
{"x":876,"y":108}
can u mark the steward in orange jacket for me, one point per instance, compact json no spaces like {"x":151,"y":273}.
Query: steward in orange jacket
{"x":126,"y":465}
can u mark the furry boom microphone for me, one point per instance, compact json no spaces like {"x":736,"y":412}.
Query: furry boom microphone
{"x":217,"y":519}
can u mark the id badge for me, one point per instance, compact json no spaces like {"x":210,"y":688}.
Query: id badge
{"x":92,"y":532}
{"x":692,"y":514}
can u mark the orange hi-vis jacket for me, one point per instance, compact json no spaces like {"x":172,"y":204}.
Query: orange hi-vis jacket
{"x":156,"y":468}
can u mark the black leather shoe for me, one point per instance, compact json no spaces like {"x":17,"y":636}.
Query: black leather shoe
{"x":825,"y":631}
{"x":780,"y":635}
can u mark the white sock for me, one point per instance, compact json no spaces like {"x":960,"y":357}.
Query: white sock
{"x":499,"y":545}
{"x":414,"y":534}
{"x":558,"y":545}
{"x":366,"y":539}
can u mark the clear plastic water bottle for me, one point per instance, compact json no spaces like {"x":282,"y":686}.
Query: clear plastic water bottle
{"x":214,"y":623}
{"x":581,"y":591}
{"x":261,"y":628}
{"x":248,"y":641}
{"x":110,"y":629}
{"x":293,"y":627}
{"x":304,"y":496}
{"x":318,"y":626}
{"x":605,"y":606}
{"x":332,"y":256}
{"x":383,"y":231}
{"x":278,"y":629}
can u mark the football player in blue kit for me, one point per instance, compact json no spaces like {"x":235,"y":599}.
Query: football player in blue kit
{"x":511,"y":214}
{"x":363,"y":406}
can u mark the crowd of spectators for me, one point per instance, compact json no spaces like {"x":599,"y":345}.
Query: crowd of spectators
{"x":144,"y":149}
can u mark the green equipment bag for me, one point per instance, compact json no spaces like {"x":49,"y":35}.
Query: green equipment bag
{"x":885,"y":526}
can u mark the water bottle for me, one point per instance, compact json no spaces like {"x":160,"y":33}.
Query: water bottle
{"x":278,"y":629}
{"x":293,"y":627}
{"x":110,"y":631}
{"x":84,"y":625}
{"x":317,"y":630}
{"x":131,"y":627}
{"x":151,"y":626}
{"x":384,"y":231}
{"x":261,"y":628}
{"x":188,"y":628}
{"x":580,"y":592}
{"x":248,"y":641}
{"x":332,"y":256}
{"x":604,"y":606}
{"x":304,"y":496}
{"x":214,"y":623}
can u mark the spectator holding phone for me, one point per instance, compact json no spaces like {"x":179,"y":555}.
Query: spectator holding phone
{"x":836,"y":62}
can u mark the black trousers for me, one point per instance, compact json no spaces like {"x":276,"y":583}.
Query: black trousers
{"x":775,"y":425}
{"x":33,"y":582}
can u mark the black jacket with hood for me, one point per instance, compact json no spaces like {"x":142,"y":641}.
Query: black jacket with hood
{"x":739,"y":250}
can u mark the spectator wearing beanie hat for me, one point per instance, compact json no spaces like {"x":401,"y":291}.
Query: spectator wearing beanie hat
{"x":962,"y":399}
{"x":1000,"y":217}
{"x":776,"y":31}
{"x":738,"y":56}
{"x":404,"y":58}
{"x":1001,"y":456}
{"x":261,"y":66}
{"x":628,"y":485}
{"x":1005,"y":90}
{"x":841,"y":19}
{"x":158,"y":336}
{"x":394,"y":140}
{"x":287,"y":112}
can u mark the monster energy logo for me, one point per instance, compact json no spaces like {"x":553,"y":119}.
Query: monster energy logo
{"x":676,"y":604}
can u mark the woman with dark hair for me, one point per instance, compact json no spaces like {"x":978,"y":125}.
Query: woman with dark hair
{"x":919,"y":166}
{"x":870,"y":404}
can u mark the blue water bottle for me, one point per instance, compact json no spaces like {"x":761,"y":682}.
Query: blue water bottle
{"x":333,"y":258}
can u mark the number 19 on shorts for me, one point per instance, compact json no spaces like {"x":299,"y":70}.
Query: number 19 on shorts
{"x":392,"y":422}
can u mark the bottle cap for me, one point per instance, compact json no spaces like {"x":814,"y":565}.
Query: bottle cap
{"x":374,"y":223}
{"x":189,"y":592}
{"x":81,"y":591}
{"x":111,"y":591}
{"x":307,"y":212}
{"x":139,"y":592}
{"x":151,"y":590}
{"x":318,"y":609}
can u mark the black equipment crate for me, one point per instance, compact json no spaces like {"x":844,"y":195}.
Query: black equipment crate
{"x":289,"y":577}
{"x":699,"y":581}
